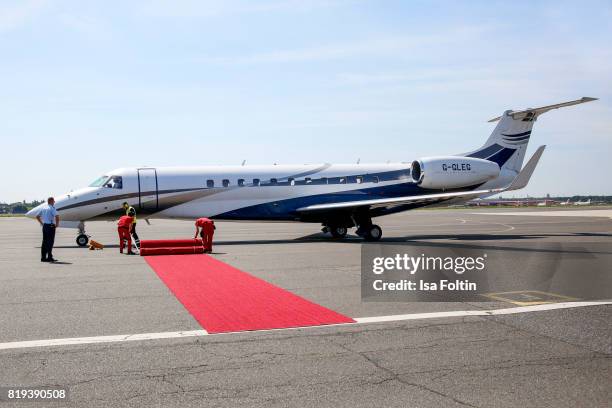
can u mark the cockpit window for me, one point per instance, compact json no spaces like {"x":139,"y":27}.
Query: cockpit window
{"x":99,"y":182}
{"x":114,"y":182}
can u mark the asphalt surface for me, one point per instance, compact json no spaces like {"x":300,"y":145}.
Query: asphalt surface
{"x":546,"y":358}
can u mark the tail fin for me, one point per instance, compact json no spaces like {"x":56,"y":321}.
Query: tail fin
{"x":508,"y":143}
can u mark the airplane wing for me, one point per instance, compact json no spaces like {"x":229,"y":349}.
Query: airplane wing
{"x":520,"y":181}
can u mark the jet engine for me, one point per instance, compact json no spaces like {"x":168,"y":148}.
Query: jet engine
{"x":452,"y":172}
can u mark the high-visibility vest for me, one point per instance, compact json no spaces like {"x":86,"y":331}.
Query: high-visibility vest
{"x":127,"y":211}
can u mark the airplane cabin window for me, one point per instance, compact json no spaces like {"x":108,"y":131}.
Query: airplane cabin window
{"x":256,"y":182}
{"x":241,"y":182}
{"x":359,"y":179}
{"x":273,"y":181}
{"x":375,"y":179}
{"x":226,"y":183}
{"x":210,"y":183}
{"x":291,"y":181}
{"x":308,"y":180}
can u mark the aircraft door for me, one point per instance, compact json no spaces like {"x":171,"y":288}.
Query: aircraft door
{"x":147,"y":190}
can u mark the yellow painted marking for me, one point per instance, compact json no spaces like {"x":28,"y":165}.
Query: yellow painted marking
{"x":539,"y":297}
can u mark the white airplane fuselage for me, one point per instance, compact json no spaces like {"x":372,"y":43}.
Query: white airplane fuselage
{"x":233,"y":192}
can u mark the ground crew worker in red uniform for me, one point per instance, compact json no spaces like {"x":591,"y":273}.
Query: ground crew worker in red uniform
{"x":124,"y":227}
{"x":129,"y":210}
{"x":207,"y":232}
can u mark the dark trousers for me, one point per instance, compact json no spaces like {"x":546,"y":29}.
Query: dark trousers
{"x":46,"y":248}
{"x":135,"y":235}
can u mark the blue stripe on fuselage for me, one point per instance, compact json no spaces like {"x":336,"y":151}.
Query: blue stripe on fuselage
{"x":286,"y":209}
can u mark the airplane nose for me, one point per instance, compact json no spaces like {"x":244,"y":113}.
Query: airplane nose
{"x":34,"y":211}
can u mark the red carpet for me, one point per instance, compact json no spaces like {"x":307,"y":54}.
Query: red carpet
{"x":170,"y":246}
{"x":225,"y":299}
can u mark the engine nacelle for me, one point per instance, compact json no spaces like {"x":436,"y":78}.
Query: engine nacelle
{"x":452,"y":172}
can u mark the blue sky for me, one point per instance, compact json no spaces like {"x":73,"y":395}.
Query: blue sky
{"x":90,"y":86}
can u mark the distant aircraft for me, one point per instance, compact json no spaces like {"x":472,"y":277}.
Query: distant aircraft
{"x":338,"y":196}
{"x":587,"y":202}
{"x":566,"y":202}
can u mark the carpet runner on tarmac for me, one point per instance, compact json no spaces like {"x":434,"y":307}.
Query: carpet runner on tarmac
{"x":225,"y":299}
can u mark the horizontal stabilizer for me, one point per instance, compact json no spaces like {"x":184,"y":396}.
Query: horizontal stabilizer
{"x":533,"y":113}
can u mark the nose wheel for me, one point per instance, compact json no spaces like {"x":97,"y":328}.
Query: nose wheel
{"x":82,"y":240}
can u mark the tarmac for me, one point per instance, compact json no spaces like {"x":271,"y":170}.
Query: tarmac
{"x":541,"y":357}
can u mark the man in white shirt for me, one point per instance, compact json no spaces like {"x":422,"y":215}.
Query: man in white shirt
{"x":48,"y":218}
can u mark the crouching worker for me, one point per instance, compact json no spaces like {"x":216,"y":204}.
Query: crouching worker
{"x":129,"y":210}
{"x":206,"y":228}
{"x":124,"y":227}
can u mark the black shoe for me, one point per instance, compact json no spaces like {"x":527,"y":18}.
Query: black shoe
{"x":51,"y":260}
{"x":44,"y":260}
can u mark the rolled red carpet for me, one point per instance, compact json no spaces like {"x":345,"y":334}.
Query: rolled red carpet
{"x":169,"y":243}
{"x":172,"y":250}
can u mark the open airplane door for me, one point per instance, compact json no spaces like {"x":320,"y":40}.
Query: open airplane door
{"x":147,"y":190}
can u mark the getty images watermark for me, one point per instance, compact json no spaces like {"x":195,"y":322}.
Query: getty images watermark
{"x":459,"y":272}
{"x":411,"y":265}
{"x":417,"y":273}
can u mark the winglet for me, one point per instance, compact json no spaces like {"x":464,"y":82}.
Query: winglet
{"x":524,"y":175}
{"x":533,"y":113}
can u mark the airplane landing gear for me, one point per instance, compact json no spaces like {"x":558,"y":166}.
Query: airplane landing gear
{"x":337,"y":231}
{"x":373,"y":233}
{"x":367,"y":230}
{"x":82,"y":239}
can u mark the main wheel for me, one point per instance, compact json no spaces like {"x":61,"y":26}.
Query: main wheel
{"x":374,"y":233}
{"x":338,"y":232}
{"x":82,"y":240}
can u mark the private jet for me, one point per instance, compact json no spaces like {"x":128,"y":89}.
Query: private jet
{"x":338,"y":196}
{"x":581,"y":203}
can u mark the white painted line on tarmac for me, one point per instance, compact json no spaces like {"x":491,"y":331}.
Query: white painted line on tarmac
{"x":360,"y":320}
{"x":490,"y":312}
{"x":101,"y":339}
{"x":558,"y":213}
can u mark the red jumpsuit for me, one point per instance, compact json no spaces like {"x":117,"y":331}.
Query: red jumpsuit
{"x":208,"y":230}
{"x":123,"y":227}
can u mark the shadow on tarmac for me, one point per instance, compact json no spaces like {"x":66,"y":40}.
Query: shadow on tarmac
{"x":425,"y":240}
